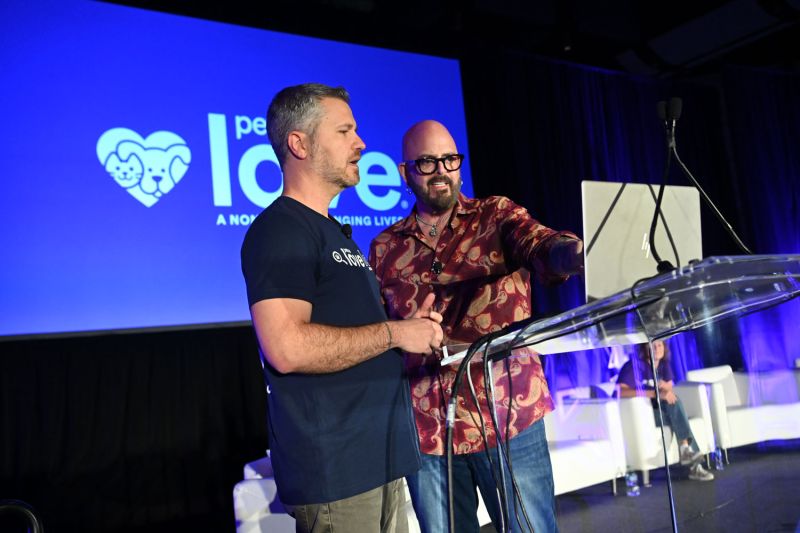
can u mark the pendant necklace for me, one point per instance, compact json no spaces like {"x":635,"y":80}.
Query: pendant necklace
{"x":432,"y":231}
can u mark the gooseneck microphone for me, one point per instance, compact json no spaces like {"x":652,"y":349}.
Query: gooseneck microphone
{"x":670,"y":115}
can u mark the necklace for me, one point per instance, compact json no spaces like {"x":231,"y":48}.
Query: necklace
{"x":432,"y":231}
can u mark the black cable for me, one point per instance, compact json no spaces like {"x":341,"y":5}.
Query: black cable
{"x":500,"y":489}
{"x":502,"y":451}
{"x":639,"y":282}
{"x":662,"y":266}
{"x":605,"y":218}
{"x":489,"y":398}
{"x":666,"y":228}
{"x":505,"y":519}
{"x":710,"y":204}
{"x":451,"y":415}
{"x":507,"y":366}
{"x":485,"y":437}
{"x":24,"y":510}
{"x":670,"y":115}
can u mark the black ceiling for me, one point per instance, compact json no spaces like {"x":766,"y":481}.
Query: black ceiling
{"x":677,"y":38}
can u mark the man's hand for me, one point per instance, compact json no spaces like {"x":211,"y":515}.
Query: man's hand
{"x":421,"y":333}
{"x":566,"y":257}
{"x":426,"y":309}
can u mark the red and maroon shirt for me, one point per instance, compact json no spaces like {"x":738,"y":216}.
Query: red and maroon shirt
{"x":487,"y":252}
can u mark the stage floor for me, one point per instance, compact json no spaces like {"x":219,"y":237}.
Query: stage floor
{"x":758,"y":491}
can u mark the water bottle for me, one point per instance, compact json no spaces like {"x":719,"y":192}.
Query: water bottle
{"x":631,"y":484}
{"x":719,"y":464}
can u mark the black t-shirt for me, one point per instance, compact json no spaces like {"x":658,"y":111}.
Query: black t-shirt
{"x":334,"y":435}
{"x":637,"y":374}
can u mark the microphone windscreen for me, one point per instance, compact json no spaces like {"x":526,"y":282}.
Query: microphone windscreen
{"x":347,"y":229}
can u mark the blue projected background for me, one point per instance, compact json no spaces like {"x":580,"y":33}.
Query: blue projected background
{"x":134,"y":156}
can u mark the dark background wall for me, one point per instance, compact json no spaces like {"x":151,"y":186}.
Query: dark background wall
{"x":131,"y":432}
{"x":149,"y":431}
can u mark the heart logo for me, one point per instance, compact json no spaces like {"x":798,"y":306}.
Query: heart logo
{"x":146,"y":168}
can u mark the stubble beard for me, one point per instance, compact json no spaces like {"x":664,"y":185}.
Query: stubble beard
{"x":336,"y":176}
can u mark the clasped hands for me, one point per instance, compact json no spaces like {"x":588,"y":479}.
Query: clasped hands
{"x":667,"y":394}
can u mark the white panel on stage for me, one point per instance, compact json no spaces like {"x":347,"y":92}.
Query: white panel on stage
{"x":620,"y":253}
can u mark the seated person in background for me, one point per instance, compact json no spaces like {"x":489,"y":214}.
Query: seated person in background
{"x":636,"y":379}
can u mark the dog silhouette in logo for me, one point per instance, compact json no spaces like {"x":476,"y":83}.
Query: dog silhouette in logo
{"x":160,"y":165}
{"x":147,"y":168}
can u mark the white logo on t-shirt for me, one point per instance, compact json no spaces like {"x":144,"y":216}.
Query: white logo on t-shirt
{"x":347,"y":257}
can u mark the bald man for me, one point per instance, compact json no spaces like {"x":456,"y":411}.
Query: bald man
{"x":476,"y":256}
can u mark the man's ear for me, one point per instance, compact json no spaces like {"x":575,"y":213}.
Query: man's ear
{"x":401,"y":167}
{"x":298,"y":143}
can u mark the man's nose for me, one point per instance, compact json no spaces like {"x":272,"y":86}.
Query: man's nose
{"x":440,"y":164}
{"x":360,"y":142}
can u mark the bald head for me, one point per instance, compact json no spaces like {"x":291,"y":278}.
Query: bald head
{"x":437,"y":187}
{"x":427,"y":138}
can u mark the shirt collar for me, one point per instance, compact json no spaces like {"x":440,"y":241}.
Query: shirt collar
{"x":464,"y":206}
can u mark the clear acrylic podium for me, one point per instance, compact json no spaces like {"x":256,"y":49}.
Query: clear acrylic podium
{"x":690,"y":297}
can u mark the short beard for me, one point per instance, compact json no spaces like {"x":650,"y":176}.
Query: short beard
{"x":438,"y":203}
{"x":335,"y":176}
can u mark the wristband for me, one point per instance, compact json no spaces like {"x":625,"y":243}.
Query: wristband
{"x":389,"y":332}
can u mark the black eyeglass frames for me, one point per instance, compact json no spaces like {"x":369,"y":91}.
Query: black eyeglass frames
{"x":428,"y":165}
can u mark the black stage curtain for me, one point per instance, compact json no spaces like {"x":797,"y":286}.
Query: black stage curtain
{"x":538,"y":127}
{"x":763,"y":110}
{"x":134,"y":432}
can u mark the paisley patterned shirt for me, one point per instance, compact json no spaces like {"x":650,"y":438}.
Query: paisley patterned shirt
{"x":487,"y":252}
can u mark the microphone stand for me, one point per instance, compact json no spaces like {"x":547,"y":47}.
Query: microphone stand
{"x":670,"y":115}
{"x":725,"y":224}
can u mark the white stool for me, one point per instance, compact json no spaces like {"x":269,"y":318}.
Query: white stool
{"x":255,"y":501}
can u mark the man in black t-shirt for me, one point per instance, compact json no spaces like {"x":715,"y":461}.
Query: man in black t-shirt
{"x":342,"y":434}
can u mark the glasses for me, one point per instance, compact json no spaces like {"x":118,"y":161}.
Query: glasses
{"x":428,"y":165}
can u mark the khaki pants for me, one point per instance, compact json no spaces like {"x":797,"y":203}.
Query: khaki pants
{"x":378,"y":510}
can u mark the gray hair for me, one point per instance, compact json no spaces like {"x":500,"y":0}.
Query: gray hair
{"x":297,"y":108}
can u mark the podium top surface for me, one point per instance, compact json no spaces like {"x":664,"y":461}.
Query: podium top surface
{"x":689,"y":297}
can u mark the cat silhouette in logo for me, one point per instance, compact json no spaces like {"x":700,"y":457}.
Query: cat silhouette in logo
{"x":162,"y":167}
{"x":127,"y":173}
